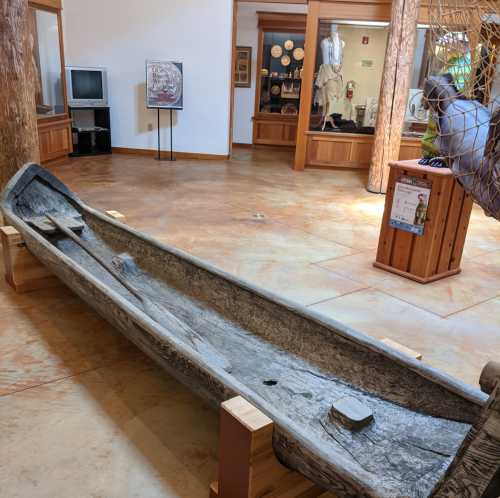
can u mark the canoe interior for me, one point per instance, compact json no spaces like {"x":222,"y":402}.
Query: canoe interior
{"x":296,"y":364}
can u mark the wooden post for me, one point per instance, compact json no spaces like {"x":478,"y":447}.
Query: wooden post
{"x":475,"y":470}
{"x":248,"y":467}
{"x":18,"y":124}
{"x":306,"y":98}
{"x":393,"y":91}
{"x":23,"y":271}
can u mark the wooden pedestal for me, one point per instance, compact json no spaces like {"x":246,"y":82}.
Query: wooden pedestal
{"x":438,"y":252}
{"x":248,"y":467}
{"x":23,"y":272}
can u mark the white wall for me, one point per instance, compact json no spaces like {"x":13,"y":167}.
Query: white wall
{"x":121,"y":35}
{"x":247,"y":35}
{"x":368,"y":80}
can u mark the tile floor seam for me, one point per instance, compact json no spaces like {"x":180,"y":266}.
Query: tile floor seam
{"x":471,"y":306}
{"x":318,"y":263}
{"x":315,"y":235}
{"x":60,"y":379}
{"x":337,"y":297}
{"x":410,"y":303}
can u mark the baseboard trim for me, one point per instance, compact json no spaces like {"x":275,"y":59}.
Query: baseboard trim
{"x":237,"y":145}
{"x":166,"y":153}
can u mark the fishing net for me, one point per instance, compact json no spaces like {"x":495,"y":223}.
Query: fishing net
{"x":462,"y":92}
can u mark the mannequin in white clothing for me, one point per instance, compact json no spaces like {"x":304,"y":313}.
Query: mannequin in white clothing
{"x":329,"y":80}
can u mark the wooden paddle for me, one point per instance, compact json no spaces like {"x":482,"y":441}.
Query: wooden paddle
{"x":156,"y":311}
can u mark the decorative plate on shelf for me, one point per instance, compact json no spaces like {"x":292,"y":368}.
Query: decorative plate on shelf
{"x":288,"y":45}
{"x":275,"y":90}
{"x":298,"y":54}
{"x":285,"y":60}
{"x":289,"y":109}
{"x":276,"y":51}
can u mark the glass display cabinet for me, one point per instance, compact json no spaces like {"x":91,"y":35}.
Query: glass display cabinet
{"x":54,"y":125}
{"x":279,"y":78}
{"x":346,"y":58}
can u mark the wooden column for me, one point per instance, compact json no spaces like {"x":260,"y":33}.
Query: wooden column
{"x":18,"y":124}
{"x":312,"y":27}
{"x":393,"y":91}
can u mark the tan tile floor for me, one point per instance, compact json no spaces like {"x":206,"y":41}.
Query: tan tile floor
{"x":84,"y":414}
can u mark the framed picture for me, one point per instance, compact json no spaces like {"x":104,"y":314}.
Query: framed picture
{"x":243,"y":69}
{"x":164,"y":85}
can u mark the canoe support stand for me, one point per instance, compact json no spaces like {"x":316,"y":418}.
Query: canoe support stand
{"x":23,"y":272}
{"x":248,"y":467}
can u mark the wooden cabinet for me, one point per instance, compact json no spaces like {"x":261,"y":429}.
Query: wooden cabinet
{"x":275,"y":130}
{"x":55,"y":140}
{"x":54,"y":124}
{"x":278,"y":68}
{"x":350,"y":150}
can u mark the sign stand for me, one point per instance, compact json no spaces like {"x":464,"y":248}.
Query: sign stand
{"x":427,"y":244}
{"x":171,"y":158}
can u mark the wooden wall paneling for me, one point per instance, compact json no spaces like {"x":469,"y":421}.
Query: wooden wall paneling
{"x":450,"y":231}
{"x":463,"y":225}
{"x":18,"y":127}
{"x":425,"y":246}
{"x":306,"y":97}
{"x":402,"y":250}
{"x":393,"y":91}
{"x":386,"y":237}
{"x":356,"y":10}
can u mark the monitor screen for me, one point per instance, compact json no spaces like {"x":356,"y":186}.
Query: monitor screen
{"x":86,"y":84}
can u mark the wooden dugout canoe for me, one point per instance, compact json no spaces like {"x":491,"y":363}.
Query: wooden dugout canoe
{"x":290,"y":362}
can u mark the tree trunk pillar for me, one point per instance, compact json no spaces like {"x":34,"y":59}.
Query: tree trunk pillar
{"x":18,"y":124}
{"x":393,"y":91}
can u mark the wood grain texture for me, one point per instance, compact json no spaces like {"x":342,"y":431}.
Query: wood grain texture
{"x":248,"y":467}
{"x":476,"y":469}
{"x":437,"y":253}
{"x":290,"y":363}
{"x":393,"y":91}
{"x":306,"y":96}
{"x":18,"y":126}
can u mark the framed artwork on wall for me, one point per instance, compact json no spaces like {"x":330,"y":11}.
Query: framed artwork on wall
{"x":164,"y":85}
{"x":243,"y":69}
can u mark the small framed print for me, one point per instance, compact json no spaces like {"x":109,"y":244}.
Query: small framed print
{"x":243,"y":69}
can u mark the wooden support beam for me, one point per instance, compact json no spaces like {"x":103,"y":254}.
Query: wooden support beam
{"x":116,"y":215}
{"x":393,"y":91}
{"x":18,"y":123}
{"x":23,"y":271}
{"x":248,"y":467}
{"x":402,"y":349}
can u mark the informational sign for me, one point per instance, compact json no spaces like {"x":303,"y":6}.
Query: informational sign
{"x":409,"y":206}
{"x":164,"y":85}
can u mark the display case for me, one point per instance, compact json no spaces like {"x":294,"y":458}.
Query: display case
{"x":346,"y":60}
{"x":54,"y":124}
{"x":279,"y":78}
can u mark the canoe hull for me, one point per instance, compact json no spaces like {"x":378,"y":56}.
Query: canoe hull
{"x":326,"y":344}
